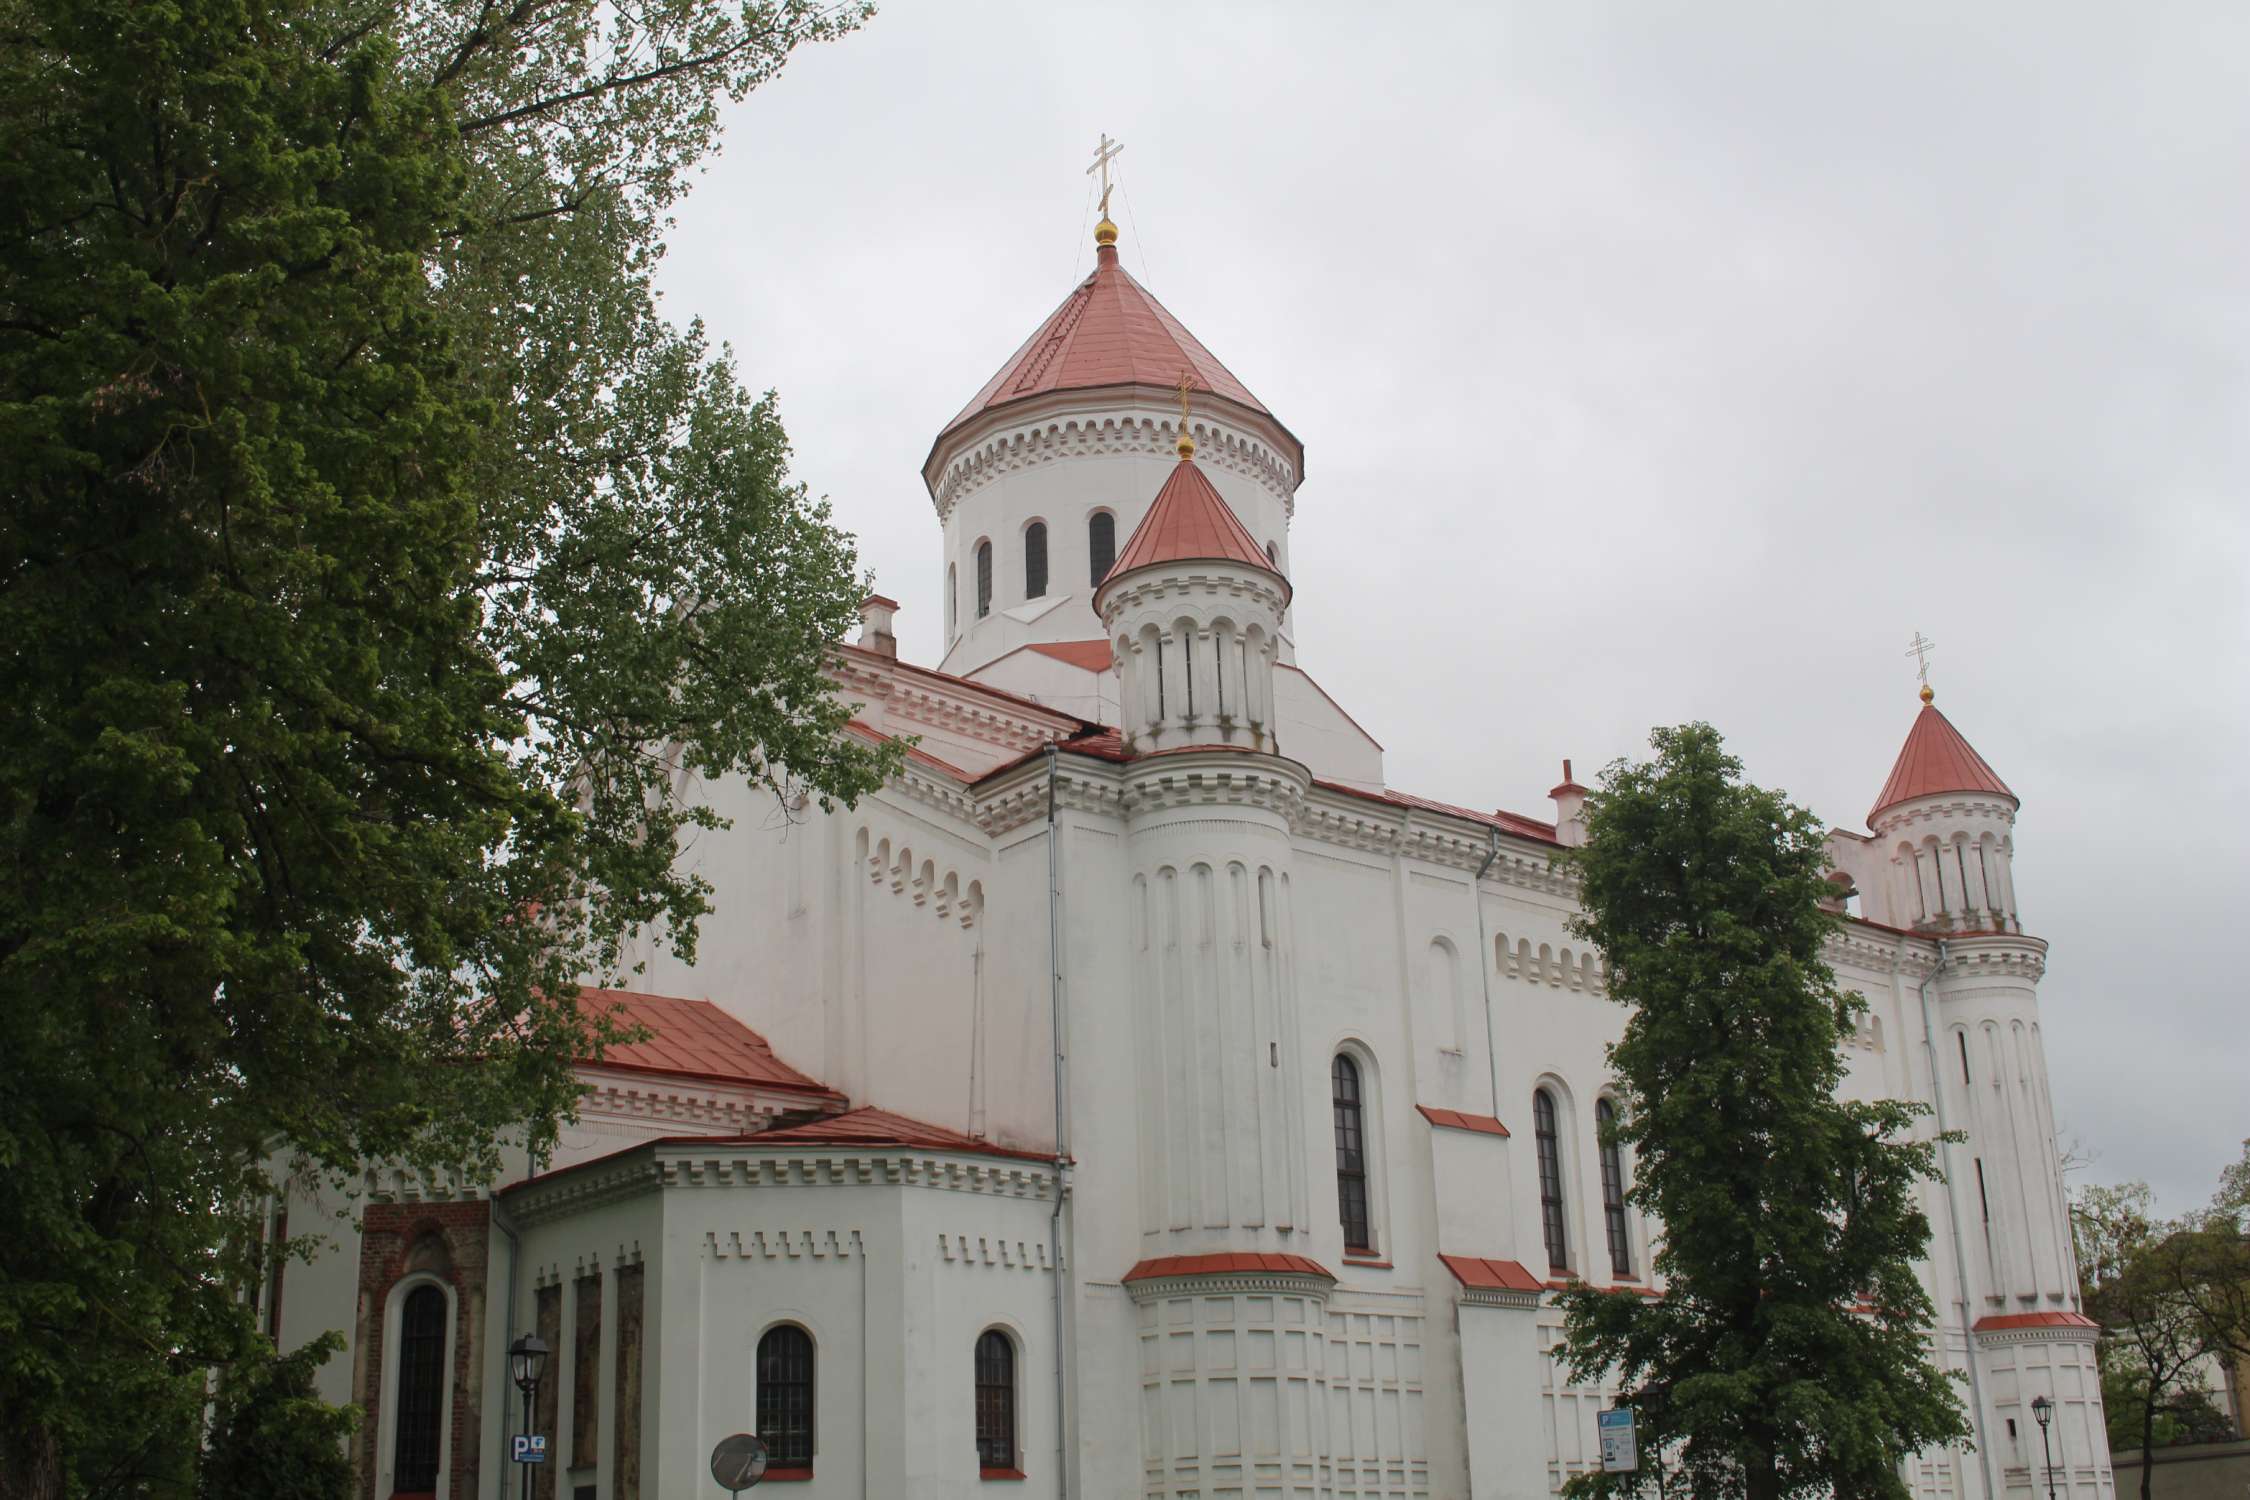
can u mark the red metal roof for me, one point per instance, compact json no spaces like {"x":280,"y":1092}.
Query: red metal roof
{"x":1484,"y":1275}
{"x":1108,"y":332}
{"x":1936,"y":759}
{"x":693,"y":1039}
{"x":1453,"y":1119}
{"x":879,"y":1127}
{"x":2002,"y":1322}
{"x":1090,"y":656}
{"x":1223,"y":1262}
{"x":1190,"y":521}
{"x":1506,"y":822}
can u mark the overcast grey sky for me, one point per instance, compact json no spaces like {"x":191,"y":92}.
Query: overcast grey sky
{"x":1653,"y":362}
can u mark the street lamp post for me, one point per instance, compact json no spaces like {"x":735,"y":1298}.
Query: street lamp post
{"x":2044,"y":1411}
{"x":527,"y":1360}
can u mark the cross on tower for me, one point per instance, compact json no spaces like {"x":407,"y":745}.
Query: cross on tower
{"x":1102,"y":156}
{"x":1920,"y":650}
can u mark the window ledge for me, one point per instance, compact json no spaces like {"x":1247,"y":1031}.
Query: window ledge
{"x":1368,"y":1263}
{"x":792,"y":1475}
{"x":990,"y":1473}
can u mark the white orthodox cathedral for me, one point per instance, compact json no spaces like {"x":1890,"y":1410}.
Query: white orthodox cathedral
{"x":1138,"y":1096}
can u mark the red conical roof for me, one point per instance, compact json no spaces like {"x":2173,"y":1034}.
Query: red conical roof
{"x":1190,"y":521}
{"x":1935,"y":760}
{"x":1108,"y":332}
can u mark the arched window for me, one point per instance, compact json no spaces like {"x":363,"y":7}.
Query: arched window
{"x":421,"y":1389}
{"x":1273,"y":557}
{"x":952,"y":601}
{"x":1351,"y":1156}
{"x":1613,"y":1191}
{"x":1035,"y":560}
{"x":996,"y":1400}
{"x":984,"y":579}
{"x":1101,"y":545}
{"x":785,"y":1396}
{"x":1549,"y":1142}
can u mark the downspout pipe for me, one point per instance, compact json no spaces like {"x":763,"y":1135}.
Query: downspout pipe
{"x":507,"y":1226}
{"x":1485,"y":960}
{"x":1063,"y":1444}
{"x":1953,"y":1220}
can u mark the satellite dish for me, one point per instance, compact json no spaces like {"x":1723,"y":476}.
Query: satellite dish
{"x":738,"y":1462}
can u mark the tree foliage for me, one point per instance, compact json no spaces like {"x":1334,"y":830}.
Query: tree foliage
{"x":1789,"y":1353}
{"x":376,"y":561}
{"x":272,"y":1437}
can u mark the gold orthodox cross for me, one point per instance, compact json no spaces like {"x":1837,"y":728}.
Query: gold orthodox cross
{"x":1102,"y":156}
{"x":1920,"y":650}
{"x":1187,"y":384}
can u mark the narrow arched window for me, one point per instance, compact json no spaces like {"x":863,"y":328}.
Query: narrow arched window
{"x":1613,"y":1191}
{"x":1548,"y":1139}
{"x":996,"y":1400}
{"x":952,"y":601}
{"x":785,"y":1396}
{"x":984,"y":579}
{"x":1273,"y":557}
{"x":1101,"y":545}
{"x":1035,"y":560}
{"x":421,"y":1389}
{"x":1351,"y":1155}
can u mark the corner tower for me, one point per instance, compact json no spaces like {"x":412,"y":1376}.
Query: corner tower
{"x":1054,"y":462}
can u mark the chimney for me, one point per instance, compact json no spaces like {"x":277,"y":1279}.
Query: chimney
{"x":1570,"y":810}
{"x":875,"y":613}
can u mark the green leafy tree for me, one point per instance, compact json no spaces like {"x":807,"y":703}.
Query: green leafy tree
{"x":2136,"y":1277}
{"x":1790,"y":1353}
{"x":273,"y":1437}
{"x":375,"y":565}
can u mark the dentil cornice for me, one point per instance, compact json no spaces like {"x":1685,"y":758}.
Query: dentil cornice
{"x":1260,"y":1283}
{"x":1028,"y":443}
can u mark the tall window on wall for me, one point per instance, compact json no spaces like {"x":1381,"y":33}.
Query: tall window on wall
{"x":785,"y":1396}
{"x":984,"y":579}
{"x":996,"y":1400}
{"x":1613,"y":1192}
{"x":1351,"y":1155}
{"x":1035,"y":560}
{"x":1548,"y":1139}
{"x":952,"y":601}
{"x":421,"y":1389}
{"x":1101,"y":545}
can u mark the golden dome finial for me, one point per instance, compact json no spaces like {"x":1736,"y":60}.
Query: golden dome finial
{"x":1920,"y":648}
{"x":1929,"y":694}
{"x":1186,"y":444}
{"x":1105,"y":233}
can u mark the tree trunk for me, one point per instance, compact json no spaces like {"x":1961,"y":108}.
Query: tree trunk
{"x":30,"y":1465}
{"x":2148,"y":1443}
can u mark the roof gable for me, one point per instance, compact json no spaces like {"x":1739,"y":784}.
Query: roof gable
{"x":692,"y":1039}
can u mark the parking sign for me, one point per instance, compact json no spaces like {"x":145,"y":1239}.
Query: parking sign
{"x":1616,"y":1429}
{"x":531,"y":1448}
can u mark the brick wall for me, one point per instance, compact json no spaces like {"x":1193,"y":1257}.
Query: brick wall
{"x":451,"y":1241}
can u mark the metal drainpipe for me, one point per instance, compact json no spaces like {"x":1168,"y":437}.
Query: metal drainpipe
{"x":1953,"y":1222}
{"x":1485,"y":959}
{"x":1062,"y":1122}
{"x":501,"y":1222}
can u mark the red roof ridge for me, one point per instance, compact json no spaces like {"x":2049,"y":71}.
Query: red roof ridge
{"x":1090,"y":656}
{"x":869,"y":1126}
{"x":2003,"y":1322}
{"x":693,"y":1039}
{"x":1017,"y":700}
{"x":1506,"y":822}
{"x":1481,"y":1274}
{"x":1454,"y":1119}
{"x":1190,"y":521}
{"x":913,"y":752}
{"x":1220,"y":1263}
{"x":1936,"y":759}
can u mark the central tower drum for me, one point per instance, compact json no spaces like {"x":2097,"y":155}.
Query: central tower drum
{"x":1041,"y":477}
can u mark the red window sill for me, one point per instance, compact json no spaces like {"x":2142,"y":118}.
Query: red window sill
{"x":1372,"y":1265}
{"x":1000,"y":1474}
{"x":787,"y":1476}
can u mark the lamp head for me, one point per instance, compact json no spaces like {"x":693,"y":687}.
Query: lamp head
{"x":2043,"y":1409}
{"x":527,"y":1361}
